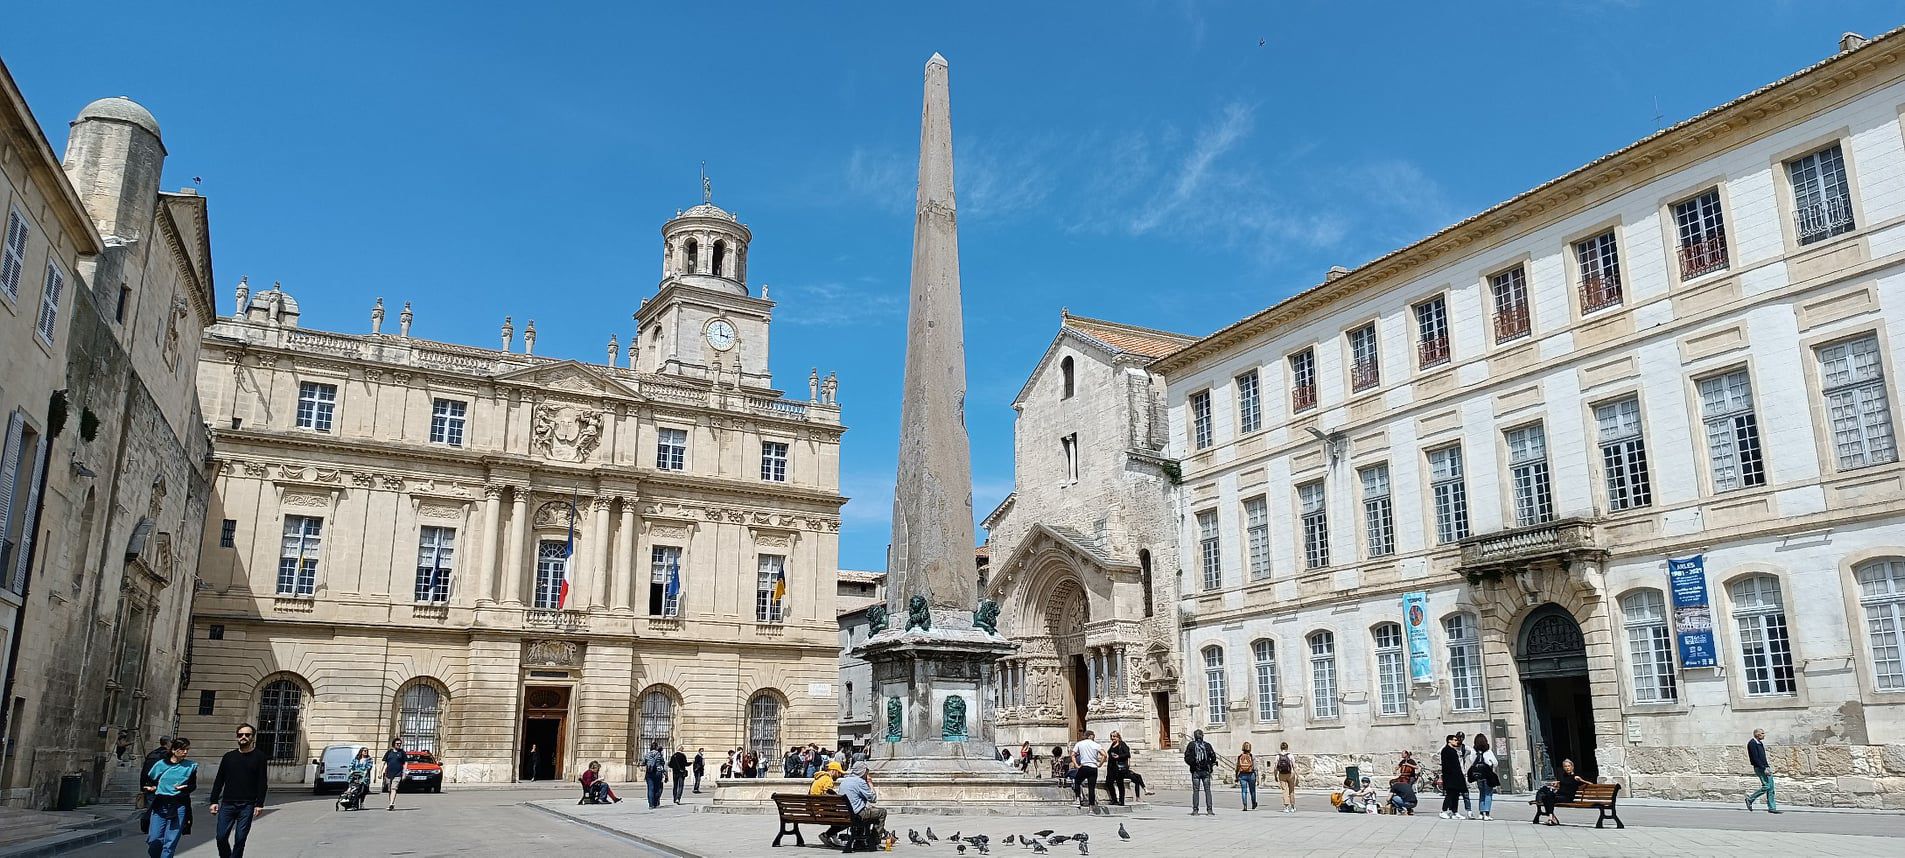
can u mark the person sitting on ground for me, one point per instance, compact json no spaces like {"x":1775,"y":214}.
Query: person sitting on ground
{"x":1402,"y":796}
{"x":1358,"y":797}
{"x":595,"y":787}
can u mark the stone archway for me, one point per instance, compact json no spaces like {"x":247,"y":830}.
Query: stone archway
{"x":1557,"y":698}
{"x":1066,"y":613}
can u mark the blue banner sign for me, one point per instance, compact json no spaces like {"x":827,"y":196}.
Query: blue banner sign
{"x":1692,"y":615}
{"x":1415,"y":609}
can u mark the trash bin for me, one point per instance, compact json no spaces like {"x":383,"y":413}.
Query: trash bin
{"x":1353,"y":774}
{"x":70,"y":788}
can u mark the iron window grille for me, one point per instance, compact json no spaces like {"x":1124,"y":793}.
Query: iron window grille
{"x":1432,"y":333}
{"x":1600,"y":263}
{"x":1702,"y":231}
{"x":1510,"y":291}
{"x":1303,"y":380}
{"x":1822,"y":198}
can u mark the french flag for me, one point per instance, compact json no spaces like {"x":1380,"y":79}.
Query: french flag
{"x":568,"y":561}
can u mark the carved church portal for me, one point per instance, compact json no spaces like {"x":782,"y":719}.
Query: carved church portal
{"x":1552,"y":661}
{"x":1065,"y":616}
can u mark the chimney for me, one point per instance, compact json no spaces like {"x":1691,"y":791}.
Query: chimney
{"x":1852,"y":42}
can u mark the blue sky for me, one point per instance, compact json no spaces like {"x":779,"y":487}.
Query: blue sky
{"x":1148,"y":162}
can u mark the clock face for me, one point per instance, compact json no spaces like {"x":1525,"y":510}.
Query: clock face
{"x":721,"y":334}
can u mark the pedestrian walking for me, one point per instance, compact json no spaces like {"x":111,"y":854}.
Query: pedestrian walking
{"x":393,"y":771}
{"x":1201,"y":758}
{"x":1089,"y":755}
{"x":678,"y":766}
{"x":529,"y":763}
{"x":168,"y":788}
{"x":1454,"y":782}
{"x":654,"y":764}
{"x":1286,"y":776}
{"x":1756,"y":754}
{"x":1481,"y":773}
{"x":238,"y":793}
{"x":156,"y":754}
{"x":701,"y":764}
{"x":1117,"y":767}
{"x":1247,"y":777}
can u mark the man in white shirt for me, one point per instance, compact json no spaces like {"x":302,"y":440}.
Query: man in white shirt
{"x":1089,"y":754}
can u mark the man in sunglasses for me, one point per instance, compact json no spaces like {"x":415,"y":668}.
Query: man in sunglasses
{"x":238,"y":792}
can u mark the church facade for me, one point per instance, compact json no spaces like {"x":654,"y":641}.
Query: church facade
{"x":520,"y":563}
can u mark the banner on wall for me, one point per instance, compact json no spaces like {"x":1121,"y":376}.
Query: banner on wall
{"x":1692,"y":615}
{"x":1415,"y":610}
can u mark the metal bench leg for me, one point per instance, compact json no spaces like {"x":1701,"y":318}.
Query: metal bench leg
{"x":789,"y":828}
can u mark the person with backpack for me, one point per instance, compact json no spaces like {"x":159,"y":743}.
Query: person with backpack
{"x":1286,"y":776}
{"x":654,"y":764}
{"x":1247,"y":777}
{"x":1202,"y":759}
{"x":1481,"y":772}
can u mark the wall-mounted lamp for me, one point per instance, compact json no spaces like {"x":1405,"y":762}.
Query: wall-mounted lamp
{"x":79,"y":468}
{"x":1333,"y":441}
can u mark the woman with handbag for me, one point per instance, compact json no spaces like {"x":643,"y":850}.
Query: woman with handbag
{"x":168,"y":786}
{"x":1481,"y":772}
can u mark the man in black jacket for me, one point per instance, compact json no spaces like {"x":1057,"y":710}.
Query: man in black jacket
{"x":240,"y":784}
{"x":1202,"y":759}
{"x":1454,"y":781}
{"x":161,"y":752}
{"x":1756,"y":754}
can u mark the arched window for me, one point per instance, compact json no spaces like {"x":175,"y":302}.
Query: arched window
{"x":1391,"y":673}
{"x":1649,"y":646}
{"x":1882,"y":594}
{"x":1214,"y":685}
{"x":658,"y":719}
{"x":720,"y":256}
{"x":1323,"y":674}
{"x":1065,"y":369}
{"x":1766,"y":650}
{"x":1465,"y":663}
{"x":764,"y":726}
{"x":1265,"y":654}
{"x":1144,"y":578}
{"x":280,"y":703}
{"x":694,"y":256}
{"x":419,"y":717}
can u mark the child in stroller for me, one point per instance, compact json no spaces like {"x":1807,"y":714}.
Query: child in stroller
{"x":595,"y":790}
{"x":359,"y":784}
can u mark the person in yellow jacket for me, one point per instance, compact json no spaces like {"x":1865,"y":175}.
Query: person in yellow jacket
{"x":823,"y":785}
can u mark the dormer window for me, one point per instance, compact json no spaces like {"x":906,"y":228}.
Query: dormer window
{"x":1065,"y":369}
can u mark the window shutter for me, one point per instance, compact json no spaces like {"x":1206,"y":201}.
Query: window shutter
{"x":9,"y":472}
{"x":25,"y":551}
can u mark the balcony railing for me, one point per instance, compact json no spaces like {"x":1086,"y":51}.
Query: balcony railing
{"x":1507,"y":548}
{"x":1511,"y":322}
{"x":1364,"y":374}
{"x":1600,"y":291}
{"x":1703,"y":257}
{"x":1303,"y":397}
{"x":1433,"y":351}
{"x":1823,"y":219}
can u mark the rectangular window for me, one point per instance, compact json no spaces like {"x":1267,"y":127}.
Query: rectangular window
{"x":1726,"y":405}
{"x":671,"y":449}
{"x":1200,"y":419}
{"x":1215,"y":699}
{"x":1822,"y":199}
{"x":1702,"y":231}
{"x":1316,"y":525}
{"x":1510,"y":291}
{"x":1249,"y":410}
{"x":1303,"y":380}
{"x":1390,"y":674}
{"x":317,"y":403}
{"x":774,"y":461}
{"x":207,"y":701}
{"x":436,"y":551}
{"x":1257,"y":536}
{"x":1323,"y":703}
{"x":1266,"y":658}
{"x":216,"y":632}
{"x":447,"y":417}
{"x":1649,"y":646}
{"x":1432,"y":332}
{"x":125,"y":301}
{"x":1379,"y":517}
{"x":552,"y":561}
{"x":48,"y":321}
{"x":298,"y":559}
{"x":1882,"y":595}
{"x":1600,"y":262}
{"x":770,"y":589}
{"x":1365,"y":369}
{"x":228,"y":533}
{"x":13,"y":255}
{"x":1623,"y":454}
{"x":1766,"y":650}
{"x":1449,"y":494}
{"x":1209,"y":550}
{"x":1465,"y":663}
{"x":1528,"y":474}
{"x":1857,"y":403}
{"x":664,"y":581}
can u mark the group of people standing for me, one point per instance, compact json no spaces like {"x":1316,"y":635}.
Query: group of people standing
{"x":1082,"y":765}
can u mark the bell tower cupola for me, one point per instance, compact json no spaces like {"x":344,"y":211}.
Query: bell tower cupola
{"x":706,"y":246}
{"x":703,"y":322}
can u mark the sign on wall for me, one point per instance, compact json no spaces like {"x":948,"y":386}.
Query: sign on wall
{"x":1415,"y":609}
{"x":1692,"y":616}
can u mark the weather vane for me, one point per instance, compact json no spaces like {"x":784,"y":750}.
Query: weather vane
{"x":707,"y":187}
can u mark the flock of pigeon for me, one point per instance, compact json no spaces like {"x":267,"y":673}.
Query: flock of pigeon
{"x":1037,"y":841}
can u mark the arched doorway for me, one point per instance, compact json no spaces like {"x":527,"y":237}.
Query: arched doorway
{"x":1552,"y":660}
{"x":1065,"y":616}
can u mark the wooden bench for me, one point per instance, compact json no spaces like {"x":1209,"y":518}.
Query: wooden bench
{"x":1601,"y":797}
{"x":797,"y":809}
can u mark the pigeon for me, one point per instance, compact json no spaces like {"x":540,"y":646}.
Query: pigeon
{"x":1083,"y":849}
{"x":1058,"y":839}
{"x":962,"y":848}
{"x":1011,"y":839}
{"x":983,"y":850}
{"x":1046,"y":833}
{"x":1039,"y":848}
{"x":929,"y":833}
{"x":913,"y":837}
{"x":1123,"y":834}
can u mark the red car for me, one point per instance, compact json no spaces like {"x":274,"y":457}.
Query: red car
{"x":421,"y":771}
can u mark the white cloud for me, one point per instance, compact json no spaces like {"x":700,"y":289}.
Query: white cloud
{"x":835,"y":303}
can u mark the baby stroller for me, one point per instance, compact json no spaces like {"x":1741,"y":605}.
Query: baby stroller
{"x":354,"y":792}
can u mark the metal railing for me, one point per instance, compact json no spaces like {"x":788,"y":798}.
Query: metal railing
{"x":1823,"y":219}
{"x":1600,"y":291}
{"x":1511,"y":322}
{"x":1433,"y":351}
{"x":1364,"y":375}
{"x":1303,"y":397}
{"x":1703,"y":257}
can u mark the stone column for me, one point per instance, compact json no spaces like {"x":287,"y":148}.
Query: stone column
{"x":599,"y":555}
{"x":512,"y":565}
{"x":621,"y":587}
{"x":1091,"y":673}
{"x":492,"y":520}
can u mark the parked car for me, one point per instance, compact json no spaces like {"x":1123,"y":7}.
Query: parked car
{"x":421,"y":771}
{"x":333,"y":768}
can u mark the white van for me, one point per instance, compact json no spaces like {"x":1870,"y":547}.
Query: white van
{"x":333,"y":768}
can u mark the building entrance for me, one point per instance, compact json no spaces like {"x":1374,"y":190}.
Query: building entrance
{"x":545,"y":713}
{"x":1552,"y":662}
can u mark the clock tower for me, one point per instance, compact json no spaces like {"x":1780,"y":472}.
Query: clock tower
{"x":703,"y":322}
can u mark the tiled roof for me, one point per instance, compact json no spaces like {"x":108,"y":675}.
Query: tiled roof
{"x":1129,"y":339}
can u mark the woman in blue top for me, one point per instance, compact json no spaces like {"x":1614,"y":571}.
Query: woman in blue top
{"x":168,"y":786}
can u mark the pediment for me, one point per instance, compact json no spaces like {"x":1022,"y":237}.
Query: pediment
{"x":570,"y":377}
{"x":1044,"y":539}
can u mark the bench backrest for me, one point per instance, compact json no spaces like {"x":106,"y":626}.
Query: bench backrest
{"x":788,"y":802}
{"x":1597,"y":792}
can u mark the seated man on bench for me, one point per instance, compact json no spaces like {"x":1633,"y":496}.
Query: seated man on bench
{"x":869,"y":819}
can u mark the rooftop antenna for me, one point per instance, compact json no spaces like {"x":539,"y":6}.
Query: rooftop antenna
{"x":1657,"y":125}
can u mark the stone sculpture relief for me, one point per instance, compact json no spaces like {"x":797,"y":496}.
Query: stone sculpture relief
{"x":893,"y":712}
{"x":561,"y":653}
{"x":954,"y":719}
{"x":876,"y":619}
{"x":566,"y":433}
{"x":918,"y":614}
{"x":986,"y":619}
